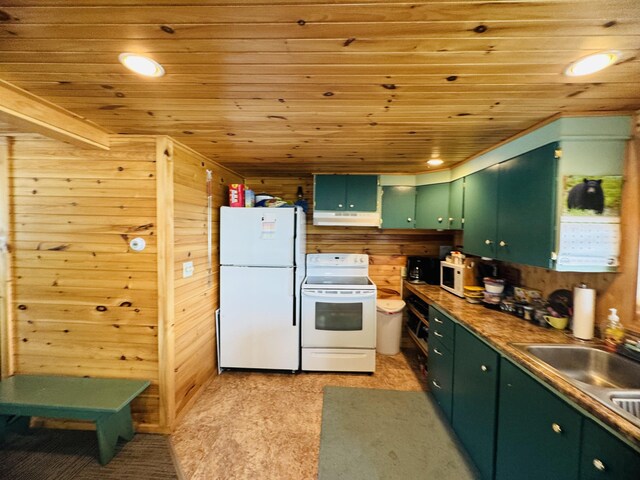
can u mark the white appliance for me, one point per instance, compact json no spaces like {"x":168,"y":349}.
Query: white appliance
{"x":338,"y":314}
{"x":262,"y":253}
{"x":452,"y":277}
{"x":346,"y":219}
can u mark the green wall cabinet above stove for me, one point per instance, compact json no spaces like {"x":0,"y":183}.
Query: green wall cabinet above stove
{"x":432,"y":206}
{"x":510,"y":209}
{"x":357,"y":193}
{"x":398,"y":207}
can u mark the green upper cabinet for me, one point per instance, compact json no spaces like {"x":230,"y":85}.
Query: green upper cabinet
{"x":330,"y":192}
{"x":509,"y":209}
{"x":480,"y":212}
{"x":456,"y":204}
{"x":604,"y":456}
{"x":526,"y":207}
{"x":475,"y":398}
{"x":398,"y":207}
{"x":357,"y":193}
{"x":432,"y":206}
{"x":538,"y":433}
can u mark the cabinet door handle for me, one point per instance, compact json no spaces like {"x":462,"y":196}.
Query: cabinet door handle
{"x":435,"y":350}
{"x":484,"y":368}
{"x":440,"y":219}
{"x":556,"y":428}
{"x":351,"y":205}
{"x":409,"y":219}
{"x":450,"y":219}
{"x":435,"y":319}
{"x":339,"y":205}
{"x":599,"y":465}
{"x":436,"y":384}
{"x":488,"y":242}
{"x":437,"y":334}
{"x":502,"y":243}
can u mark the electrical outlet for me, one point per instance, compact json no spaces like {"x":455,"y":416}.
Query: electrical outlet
{"x":187,"y":269}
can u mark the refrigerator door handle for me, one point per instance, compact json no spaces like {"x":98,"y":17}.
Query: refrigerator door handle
{"x":293,"y":293}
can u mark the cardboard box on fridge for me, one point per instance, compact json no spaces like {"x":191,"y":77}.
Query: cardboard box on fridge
{"x":236,"y":195}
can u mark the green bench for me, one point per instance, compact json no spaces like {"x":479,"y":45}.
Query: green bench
{"x":104,"y":401}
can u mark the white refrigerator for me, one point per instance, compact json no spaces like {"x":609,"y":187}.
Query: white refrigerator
{"x":262,"y":266}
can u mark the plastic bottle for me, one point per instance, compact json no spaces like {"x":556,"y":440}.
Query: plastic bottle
{"x":614,"y":332}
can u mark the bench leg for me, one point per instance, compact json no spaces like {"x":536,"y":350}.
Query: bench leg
{"x":4,"y":426}
{"x":19,"y":424}
{"x":109,"y":428}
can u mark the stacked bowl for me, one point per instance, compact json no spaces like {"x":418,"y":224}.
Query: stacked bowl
{"x":473,"y":294}
{"x":493,"y":288}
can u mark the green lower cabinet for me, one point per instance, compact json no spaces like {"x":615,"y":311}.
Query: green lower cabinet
{"x":475,"y":398}
{"x":432,"y":206}
{"x":440,"y":375}
{"x":398,"y":207}
{"x":538,"y":433}
{"x":604,"y":456}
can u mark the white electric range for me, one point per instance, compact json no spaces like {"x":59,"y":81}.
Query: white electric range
{"x":338,"y":314}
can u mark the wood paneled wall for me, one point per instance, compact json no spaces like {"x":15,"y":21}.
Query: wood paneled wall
{"x":388,"y":249}
{"x":196,"y":297}
{"x":6,"y":358}
{"x":83,"y":302}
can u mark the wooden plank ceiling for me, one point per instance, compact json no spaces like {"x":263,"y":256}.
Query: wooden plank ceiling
{"x":297,"y":86}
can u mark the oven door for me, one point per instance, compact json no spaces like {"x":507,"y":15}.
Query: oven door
{"x":338,"y":318}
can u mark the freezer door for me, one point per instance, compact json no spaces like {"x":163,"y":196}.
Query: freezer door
{"x":258,"y":328}
{"x":257,"y":236}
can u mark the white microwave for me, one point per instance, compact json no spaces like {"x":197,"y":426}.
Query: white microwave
{"x":452,"y":277}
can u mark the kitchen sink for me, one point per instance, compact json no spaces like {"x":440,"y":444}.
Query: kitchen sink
{"x":610,"y":378}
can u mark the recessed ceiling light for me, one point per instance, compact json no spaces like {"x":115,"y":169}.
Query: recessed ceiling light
{"x":592,"y":63}
{"x":141,"y":64}
{"x":434,"y":162}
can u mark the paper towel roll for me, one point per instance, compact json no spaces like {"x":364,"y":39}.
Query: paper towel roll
{"x":584,"y":312}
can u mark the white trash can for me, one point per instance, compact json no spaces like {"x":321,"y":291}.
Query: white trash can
{"x":389,"y":323}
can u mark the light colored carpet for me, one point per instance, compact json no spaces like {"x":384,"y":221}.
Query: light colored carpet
{"x":47,"y":454}
{"x":387,"y":434}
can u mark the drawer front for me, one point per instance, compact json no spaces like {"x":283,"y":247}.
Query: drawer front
{"x":440,"y":375}
{"x":441,"y":328}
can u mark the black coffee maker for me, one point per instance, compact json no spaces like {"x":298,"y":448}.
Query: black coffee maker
{"x":423,"y":270}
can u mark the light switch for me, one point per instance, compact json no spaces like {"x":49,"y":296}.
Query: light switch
{"x":187,"y":269}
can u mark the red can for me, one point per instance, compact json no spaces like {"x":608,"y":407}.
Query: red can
{"x":236,"y":195}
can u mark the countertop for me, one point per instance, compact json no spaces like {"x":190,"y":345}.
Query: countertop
{"x":500,"y":330}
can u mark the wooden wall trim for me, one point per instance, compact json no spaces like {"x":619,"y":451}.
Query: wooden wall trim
{"x":6,"y":351}
{"x":166,"y":333}
{"x":30,"y":113}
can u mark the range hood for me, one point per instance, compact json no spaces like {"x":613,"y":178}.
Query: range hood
{"x":346,"y":219}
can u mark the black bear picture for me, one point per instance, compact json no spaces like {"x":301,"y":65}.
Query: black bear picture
{"x":587,"y":195}
{"x":596,"y":197}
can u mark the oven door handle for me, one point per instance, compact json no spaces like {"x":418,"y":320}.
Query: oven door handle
{"x":339,"y":293}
